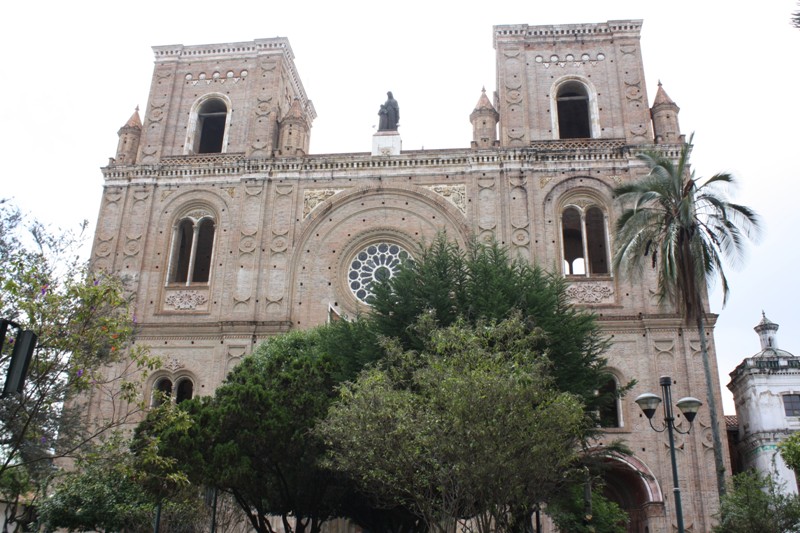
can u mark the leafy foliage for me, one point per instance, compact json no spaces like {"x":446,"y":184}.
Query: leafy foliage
{"x":484,"y":283}
{"x":576,"y":513}
{"x":470,"y":427}
{"x":789,"y":449}
{"x":108,"y":491}
{"x":756,"y":503}
{"x":687,"y":229}
{"x":253,"y":437}
{"x":83,"y":326}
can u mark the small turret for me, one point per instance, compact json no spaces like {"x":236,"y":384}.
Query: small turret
{"x":484,"y":123}
{"x":129,"y":136}
{"x":767,"y":331}
{"x":293,"y":137}
{"x":665,"y":119}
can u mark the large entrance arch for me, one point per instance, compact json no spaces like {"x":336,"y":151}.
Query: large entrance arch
{"x":631,"y":484}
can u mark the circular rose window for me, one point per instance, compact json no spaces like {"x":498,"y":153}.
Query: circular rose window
{"x":376,"y":262}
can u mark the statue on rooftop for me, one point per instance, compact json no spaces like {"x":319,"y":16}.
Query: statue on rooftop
{"x":389,"y":114}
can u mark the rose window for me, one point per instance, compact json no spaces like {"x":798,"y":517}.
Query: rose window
{"x":376,"y":262}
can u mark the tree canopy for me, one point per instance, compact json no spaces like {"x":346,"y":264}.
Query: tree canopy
{"x":470,"y":428}
{"x":253,"y":438}
{"x":757,"y":503}
{"x":484,"y":283}
{"x":83,"y":325}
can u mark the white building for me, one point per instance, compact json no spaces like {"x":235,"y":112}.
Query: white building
{"x":766,"y":390}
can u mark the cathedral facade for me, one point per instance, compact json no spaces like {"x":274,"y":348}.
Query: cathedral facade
{"x":231,"y":232}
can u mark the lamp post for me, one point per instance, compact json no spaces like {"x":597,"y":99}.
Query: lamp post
{"x":648,"y":402}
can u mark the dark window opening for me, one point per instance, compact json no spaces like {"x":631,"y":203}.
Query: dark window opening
{"x":609,"y":413}
{"x":573,"y":111}
{"x":205,"y":243}
{"x":185,"y":390}
{"x":791,"y":404}
{"x":162,"y":391}
{"x":184,"y":250}
{"x":194,"y":245}
{"x":211,"y":118}
{"x":574,"y":263}
{"x":596,"y":241}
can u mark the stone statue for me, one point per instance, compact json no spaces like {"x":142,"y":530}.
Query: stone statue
{"x":389,"y":114}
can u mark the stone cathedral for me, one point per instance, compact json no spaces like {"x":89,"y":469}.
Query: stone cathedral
{"x":230,"y":231}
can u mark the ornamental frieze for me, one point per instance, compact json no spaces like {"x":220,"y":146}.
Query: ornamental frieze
{"x":312,"y":198}
{"x":455,"y":194}
{"x":186,"y":300}
{"x":590,"y":293}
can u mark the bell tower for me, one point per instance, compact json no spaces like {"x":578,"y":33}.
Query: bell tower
{"x":572,"y":81}
{"x":222,"y":99}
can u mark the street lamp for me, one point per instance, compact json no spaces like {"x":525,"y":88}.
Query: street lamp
{"x":648,"y":403}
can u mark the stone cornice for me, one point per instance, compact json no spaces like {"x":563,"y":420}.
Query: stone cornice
{"x":259,"y":47}
{"x":562,"y":155}
{"x":567,"y":32}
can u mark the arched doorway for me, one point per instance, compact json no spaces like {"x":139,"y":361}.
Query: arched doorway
{"x":631,"y":484}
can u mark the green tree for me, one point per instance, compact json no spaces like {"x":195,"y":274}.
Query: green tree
{"x":484,"y":283}
{"x":83,"y":326}
{"x":756,"y":503}
{"x":252,"y":438}
{"x":108,"y":491}
{"x":687,"y":229}
{"x":789,"y":449}
{"x":585,"y":509}
{"x":469,"y":428}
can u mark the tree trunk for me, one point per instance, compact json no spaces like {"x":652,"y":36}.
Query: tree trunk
{"x":719,"y":460}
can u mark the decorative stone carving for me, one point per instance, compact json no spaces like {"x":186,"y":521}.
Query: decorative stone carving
{"x":521,"y":237}
{"x":590,"y":292}
{"x":455,"y":194}
{"x":186,"y":300}
{"x":104,"y":247}
{"x":312,"y":198}
{"x":247,"y":244}
{"x":544,"y":180}
{"x":132,"y":247}
{"x":173,"y":364}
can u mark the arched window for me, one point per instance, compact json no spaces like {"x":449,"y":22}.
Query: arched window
{"x":212,"y":117}
{"x":192,"y":249}
{"x":163,"y":391}
{"x":609,"y":408}
{"x":584,"y":243}
{"x":572,"y":107}
{"x":184,"y":390}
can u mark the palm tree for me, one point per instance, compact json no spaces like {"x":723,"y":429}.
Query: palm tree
{"x":687,"y":229}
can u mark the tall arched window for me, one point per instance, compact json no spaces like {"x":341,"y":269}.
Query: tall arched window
{"x":162,"y":391}
{"x":209,"y":122}
{"x":584,"y":241}
{"x":210,"y":130}
{"x":572,"y":107}
{"x":609,"y":409}
{"x":184,"y":390}
{"x":192,"y":249}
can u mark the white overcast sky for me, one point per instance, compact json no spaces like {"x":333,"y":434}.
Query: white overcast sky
{"x":72,"y":73}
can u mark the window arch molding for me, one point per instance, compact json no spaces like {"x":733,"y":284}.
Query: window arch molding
{"x":584,"y":231}
{"x":175,"y":387}
{"x":612,"y":416}
{"x":209,"y":117}
{"x":192,"y":244}
{"x":573,"y":93}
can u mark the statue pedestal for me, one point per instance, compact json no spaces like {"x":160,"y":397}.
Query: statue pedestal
{"x":386,"y":143}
